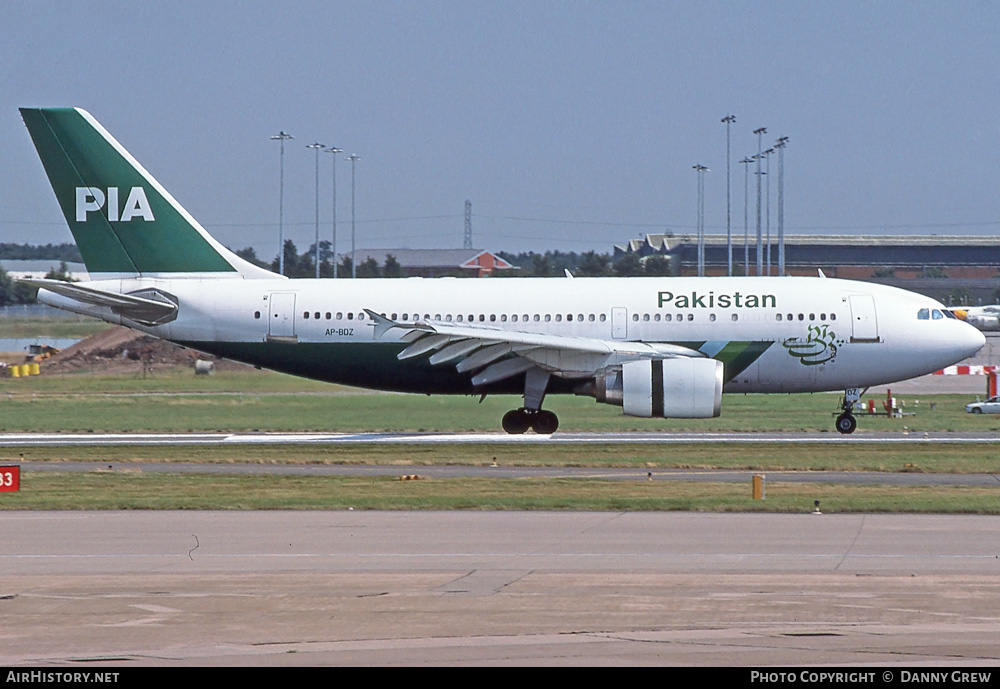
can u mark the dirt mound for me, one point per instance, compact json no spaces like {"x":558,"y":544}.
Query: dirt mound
{"x":119,"y":350}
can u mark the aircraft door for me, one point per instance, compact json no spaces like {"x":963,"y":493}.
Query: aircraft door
{"x":864,"y":324}
{"x":281,"y":321}
{"x":619,"y":322}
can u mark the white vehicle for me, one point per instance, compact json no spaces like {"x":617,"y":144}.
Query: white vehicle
{"x":990,"y":406}
{"x":657,"y":347}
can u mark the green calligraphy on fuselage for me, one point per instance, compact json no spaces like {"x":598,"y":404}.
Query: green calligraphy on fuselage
{"x":711,"y":300}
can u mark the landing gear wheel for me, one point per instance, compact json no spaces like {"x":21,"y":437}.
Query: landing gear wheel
{"x":545,"y":422}
{"x":516,"y":421}
{"x":846,"y":423}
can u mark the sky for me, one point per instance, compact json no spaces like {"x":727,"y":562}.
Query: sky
{"x":568,"y":125}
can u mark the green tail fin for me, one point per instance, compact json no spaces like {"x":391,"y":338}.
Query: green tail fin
{"x":123,"y":221}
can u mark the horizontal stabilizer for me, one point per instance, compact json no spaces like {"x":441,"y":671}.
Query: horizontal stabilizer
{"x":153,"y":307}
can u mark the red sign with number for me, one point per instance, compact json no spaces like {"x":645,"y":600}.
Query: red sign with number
{"x":10,"y":479}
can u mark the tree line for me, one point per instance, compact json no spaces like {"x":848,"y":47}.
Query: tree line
{"x":14,"y":292}
{"x":528,"y":263}
{"x":48,"y":252}
{"x":303,"y":265}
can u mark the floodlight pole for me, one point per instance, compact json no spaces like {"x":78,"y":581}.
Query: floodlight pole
{"x":760,"y":238}
{"x":333,"y":249}
{"x":746,"y":224}
{"x":728,"y":120}
{"x":767,"y":157}
{"x":701,"y":170}
{"x":780,"y":145}
{"x":354,"y":258}
{"x":317,"y":147}
{"x":282,"y":137}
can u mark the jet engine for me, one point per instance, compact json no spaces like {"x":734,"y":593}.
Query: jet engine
{"x":678,"y":388}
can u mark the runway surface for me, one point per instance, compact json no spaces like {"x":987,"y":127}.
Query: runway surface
{"x":116,"y":589}
{"x":634,"y":438}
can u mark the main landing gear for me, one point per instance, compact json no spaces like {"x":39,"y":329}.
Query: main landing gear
{"x":846,"y":423}
{"x":517,"y":421}
{"x":531,"y":415}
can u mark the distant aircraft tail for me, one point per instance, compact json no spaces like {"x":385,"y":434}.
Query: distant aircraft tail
{"x":124,"y":222}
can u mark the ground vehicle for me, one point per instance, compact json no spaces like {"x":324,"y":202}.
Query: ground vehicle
{"x":990,"y":406}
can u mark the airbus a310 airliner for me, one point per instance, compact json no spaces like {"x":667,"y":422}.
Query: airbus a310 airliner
{"x":658,"y":347}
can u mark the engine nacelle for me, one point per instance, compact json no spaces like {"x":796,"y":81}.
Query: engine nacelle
{"x":668,"y":388}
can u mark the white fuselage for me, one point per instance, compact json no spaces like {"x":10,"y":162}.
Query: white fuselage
{"x":775,"y":334}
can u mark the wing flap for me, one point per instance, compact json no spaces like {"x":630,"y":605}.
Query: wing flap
{"x":486,"y":355}
{"x":423,"y":345}
{"x":455,"y":351}
{"x":501,"y":370}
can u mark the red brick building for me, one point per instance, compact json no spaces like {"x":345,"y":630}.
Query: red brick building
{"x":439,"y":262}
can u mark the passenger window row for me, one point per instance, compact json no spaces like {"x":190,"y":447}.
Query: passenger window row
{"x":668,"y":317}
{"x":923,"y":314}
{"x":329,"y":316}
{"x":461,"y":318}
{"x":802,"y":317}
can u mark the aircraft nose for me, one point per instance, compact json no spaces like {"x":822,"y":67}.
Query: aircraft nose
{"x":972,"y":340}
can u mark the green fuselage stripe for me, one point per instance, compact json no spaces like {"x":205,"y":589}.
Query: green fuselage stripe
{"x":374,"y":365}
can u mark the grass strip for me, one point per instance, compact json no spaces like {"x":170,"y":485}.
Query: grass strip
{"x":135,"y":490}
{"x":132,"y":406}
{"x":931,"y":458}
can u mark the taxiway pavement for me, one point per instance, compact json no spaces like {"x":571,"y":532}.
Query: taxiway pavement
{"x":124,"y":589}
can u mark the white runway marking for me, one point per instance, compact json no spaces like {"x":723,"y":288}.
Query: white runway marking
{"x":638,"y":438}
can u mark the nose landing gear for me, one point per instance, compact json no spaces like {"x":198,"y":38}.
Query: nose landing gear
{"x":846,"y":423}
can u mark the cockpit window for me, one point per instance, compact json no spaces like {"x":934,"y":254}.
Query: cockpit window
{"x":936,"y":315}
{"x":949,"y":314}
{"x":923,"y":314}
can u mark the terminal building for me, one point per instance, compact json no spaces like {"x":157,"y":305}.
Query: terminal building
{"x":953,"y":269}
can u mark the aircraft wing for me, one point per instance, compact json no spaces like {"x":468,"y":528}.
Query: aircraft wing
{"x":492,"y":354}
{"x":152,"y":307}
